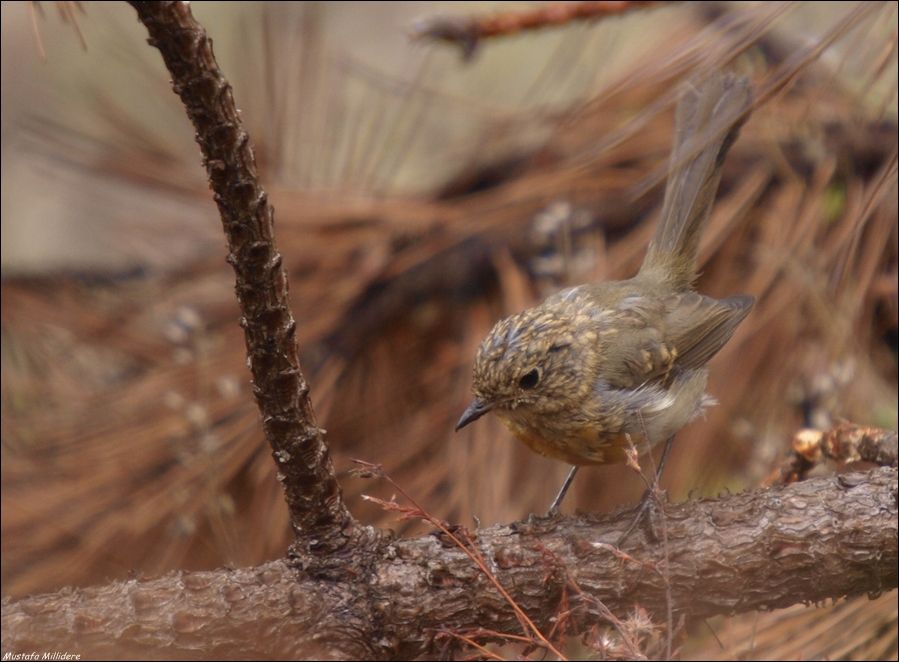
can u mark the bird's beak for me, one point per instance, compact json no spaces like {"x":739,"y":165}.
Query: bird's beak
{"x":475,"y":410}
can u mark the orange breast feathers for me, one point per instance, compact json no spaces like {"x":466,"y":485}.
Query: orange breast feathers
{"x":580,"y":446}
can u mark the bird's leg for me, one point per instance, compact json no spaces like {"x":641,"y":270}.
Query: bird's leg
{"x":646,"y":502}
{"x":557,"y":502}
{"x":662,"y":460}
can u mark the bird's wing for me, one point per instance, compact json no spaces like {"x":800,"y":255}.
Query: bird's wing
{"x":698,"y":326}
{"x":632,"y":341}
{"x":648,"y":339}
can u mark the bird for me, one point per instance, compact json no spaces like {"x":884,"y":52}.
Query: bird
{"x":602,"y":368}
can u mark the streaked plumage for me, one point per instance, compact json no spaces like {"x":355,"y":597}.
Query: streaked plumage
{"x":601,"y":365}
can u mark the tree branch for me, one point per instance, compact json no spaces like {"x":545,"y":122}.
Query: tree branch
{"x":764,"y":549}
{"x":317,"y":510}
{"x":467,"y":32}
{"x":845,"y":442}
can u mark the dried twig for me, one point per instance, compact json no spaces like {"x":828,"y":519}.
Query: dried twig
{"x":466,"y":546}
{"x":468,"y":31}
{"x":846,"y":442}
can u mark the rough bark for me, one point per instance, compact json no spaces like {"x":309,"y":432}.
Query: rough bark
{"x":765,"y":549}
{"x":319,"y":517}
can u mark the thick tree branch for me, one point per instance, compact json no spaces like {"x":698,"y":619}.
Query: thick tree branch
{"x":765,"y":549}
{"x":317,"y":511}
{"x":223,"y":614}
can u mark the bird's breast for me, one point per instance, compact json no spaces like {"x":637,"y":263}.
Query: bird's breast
{"x":574,"y":443}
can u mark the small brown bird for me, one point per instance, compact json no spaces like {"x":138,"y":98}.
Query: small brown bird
{"x":598,"y":367}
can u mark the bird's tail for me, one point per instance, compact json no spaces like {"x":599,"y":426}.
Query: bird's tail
{"x":709,"y":116}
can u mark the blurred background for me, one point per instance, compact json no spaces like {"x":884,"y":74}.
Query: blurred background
{"x":419,"y":197}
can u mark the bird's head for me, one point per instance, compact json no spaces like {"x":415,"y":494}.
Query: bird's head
{"x":537,"y":362}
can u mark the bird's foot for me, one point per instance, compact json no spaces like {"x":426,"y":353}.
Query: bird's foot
{"x":651,"y":505}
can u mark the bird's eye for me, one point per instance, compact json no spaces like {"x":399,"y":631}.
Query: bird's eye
{"x":530,"y":380}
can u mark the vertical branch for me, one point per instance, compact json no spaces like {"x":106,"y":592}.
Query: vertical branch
{"x":317,"y":511}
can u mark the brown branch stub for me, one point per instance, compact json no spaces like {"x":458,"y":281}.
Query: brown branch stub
{"x":466,"y":32}
{"x":819,"y":539}
{"x":845,"y":442}
{"x":313,"y":495}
